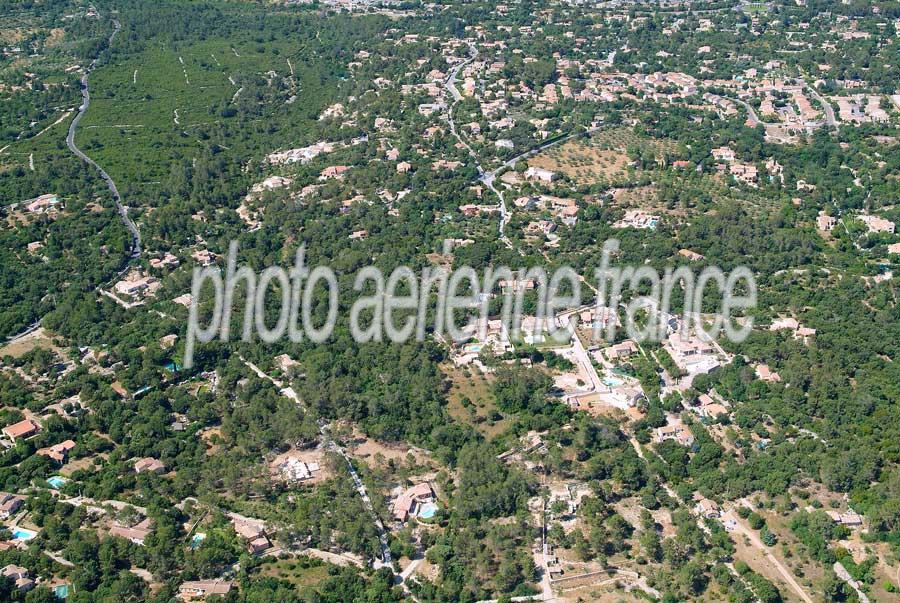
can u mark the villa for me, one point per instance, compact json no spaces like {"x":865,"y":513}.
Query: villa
{"x":200,"y":589}
{"x":150,"y":465}
{"x":58,"y":452}
{"x":408,"y":503}
{"x":22,"y":429}
{"x":20,"y":576}
{"x":10,"y":504}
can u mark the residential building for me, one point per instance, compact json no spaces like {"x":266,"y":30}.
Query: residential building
{"x":200,"y":589}
{"x":58,"y":452}
{"x":149,"y":465}
{"x":21,"y":430}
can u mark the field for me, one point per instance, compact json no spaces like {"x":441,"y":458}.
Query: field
{"x":476,"y":387}
{"x":293,"y":571}
{"x":606,"y":158}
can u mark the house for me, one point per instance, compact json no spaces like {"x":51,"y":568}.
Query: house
{"x":620,"y":351}
{"x":136,"y":534}
{"x":334,"y":171}
{"x":826,"y":223}
{"x":540,"y":174}
{"x":407,"y":503}
{"x":200,"y":589}
{"x":711,"y":411}
{"x":706,"y":508}
{"x":10,"y":504}
{"x":286,"y":364}
{"x":150,"y":465}
{"x":766,"y":374}
{"x":724,"y":154}
{"x":135,"y":284}
{"x":204,"y":257}
{"x":675,"y":430}
{"x":691,"y":255}
{"x":403,"y":167}
{"x":850,"y":519}
{"x":22,"y":429}
{"x":894,"y":248}
{"x":297,"y":470}
{"x":166,"y":261}
{"x":58,"y":452}
{"x":254,"y":532}
{"x":877,"y":224}
{"x":20,"y":576}
{"x":43,"y":204}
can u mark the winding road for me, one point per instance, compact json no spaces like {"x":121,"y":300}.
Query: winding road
{"x":70,"y":141}
{"x":485,"y":177}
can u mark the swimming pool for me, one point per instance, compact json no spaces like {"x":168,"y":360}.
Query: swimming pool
{"x":56,"y":482}
{"x":428,"y":510}
{"x":61,"y":591}
{"x":197,"y":540}
{"x":611,"y":382}
{"x":22,"y":534}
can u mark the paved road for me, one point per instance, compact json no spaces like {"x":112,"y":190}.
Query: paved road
{"x":829,"y":110}
{"x":70,"y":141}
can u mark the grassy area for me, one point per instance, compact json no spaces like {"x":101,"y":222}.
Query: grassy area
{"x":302,"y":578}
{"x":476,"y":388}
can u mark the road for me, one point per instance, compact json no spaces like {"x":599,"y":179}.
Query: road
{"x":70,"y":141}
{"x":829,"y":110}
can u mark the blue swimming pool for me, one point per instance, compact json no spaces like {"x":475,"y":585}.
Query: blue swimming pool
{"x":61,"y":591}
{"x":22,"y":534}
{"x":197,"y":540}
{"x":428,"y":510}
{"x":611,"y":382}
{"x":56,"y":482}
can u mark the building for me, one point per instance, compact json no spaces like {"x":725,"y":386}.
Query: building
{"x":334,"y":171}
{"x":850,"y":519}
{"x":135,"y":284}
{"x":20,"y":576}
{"x":253,"y":532}
{"x":204,"y":257}
{"x":10,"y":504}
{"x":58,"y":452}
{"x":766,"y":374}
{"x":21,"y":430}
{"x":691,"y":255}
{"x":407,"y":504}
{"x":825,"y":223}
{"x":540,"y":174}
{"x":621,"y":351}
{"x":877,"y":224}
{"x":43,"y":204}
{"x":136,"y":534}
{"x":149,"y":465}
{"x":200,"y":589}
{"x":706,"y":508}
{"x":675,"y":430}
{"x":724,"y":154}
